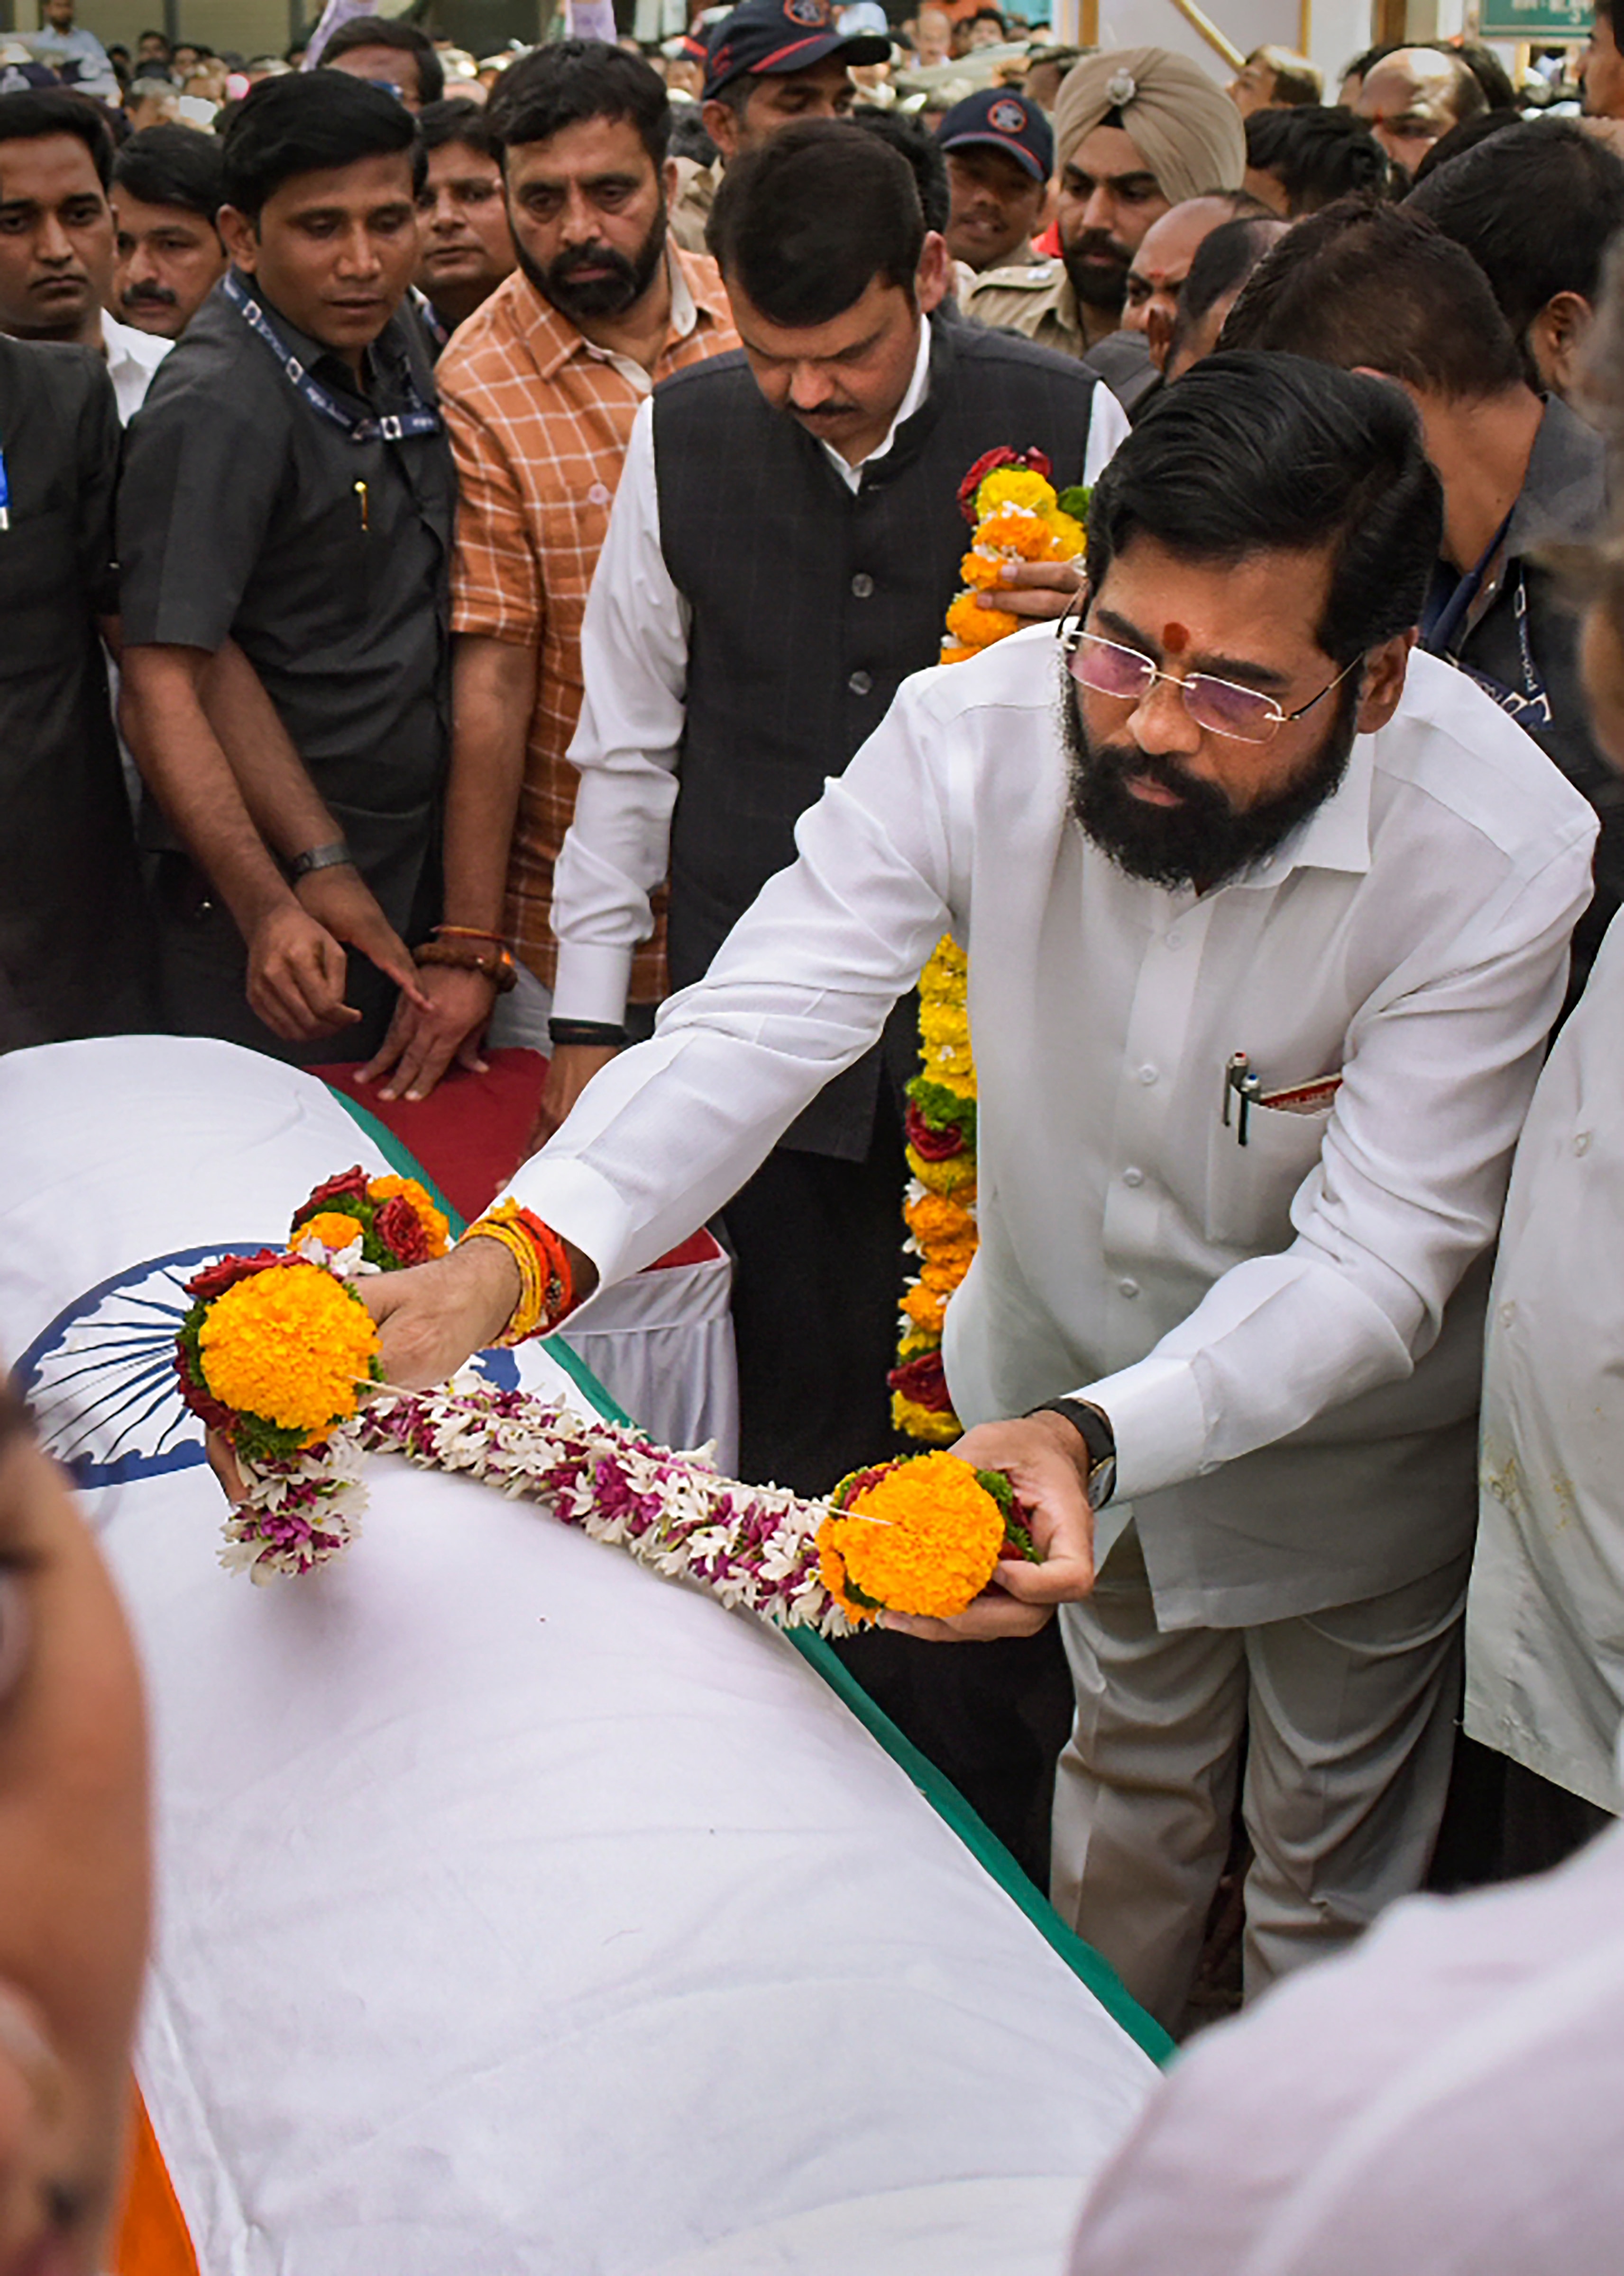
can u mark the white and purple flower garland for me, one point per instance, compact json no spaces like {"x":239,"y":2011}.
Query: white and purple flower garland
{"x":754,"y":1547}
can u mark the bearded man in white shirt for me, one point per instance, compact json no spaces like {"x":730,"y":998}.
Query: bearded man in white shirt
{"x":1248,"y":845}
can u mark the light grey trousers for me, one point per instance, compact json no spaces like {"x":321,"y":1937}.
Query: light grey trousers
{"x":1348,"y":1718}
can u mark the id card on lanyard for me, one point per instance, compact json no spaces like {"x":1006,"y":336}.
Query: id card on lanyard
{"x":418,"y":418}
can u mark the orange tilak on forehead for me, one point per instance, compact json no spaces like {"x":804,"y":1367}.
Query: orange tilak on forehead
{"x":1175,"y":635}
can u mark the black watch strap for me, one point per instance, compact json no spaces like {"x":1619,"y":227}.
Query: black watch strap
{"x":1092,"y":1425}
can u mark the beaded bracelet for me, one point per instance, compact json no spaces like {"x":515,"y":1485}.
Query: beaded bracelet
{"x":547,"y":1287}
{"x":496,"y":965}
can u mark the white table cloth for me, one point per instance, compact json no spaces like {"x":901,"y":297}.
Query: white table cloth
{"x":519,"y":1911}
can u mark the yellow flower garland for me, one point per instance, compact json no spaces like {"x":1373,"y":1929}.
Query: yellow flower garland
{"x":1018,"y":517}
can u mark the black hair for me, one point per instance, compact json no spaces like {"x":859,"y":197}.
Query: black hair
{"x":1462,"y":138}
{"x":174,"y":166}
{"x":1253,"y":454}
{"x":1603,"y":11}
{"x":986,"y":15}
{"x":569,"y":80}
{"x":1380,"y":286}
{"x":387,"y":31}
{"x":305,"y":123}
{"x":457,"y":120}
{"x":154,"y":34}
{"x":688,"y":136}
{"x":807,"y":221}
{"x":1224,"y":258}
{"x":30,"y":117}
{"x":924,"y":154}
{"x":1487,"y":69}
{"x":1362,"y":66}
{"x":1537,"y":213}
{"x":1317,"y":154}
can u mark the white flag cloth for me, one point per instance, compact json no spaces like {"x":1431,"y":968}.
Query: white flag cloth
{"x":519,"y":1911}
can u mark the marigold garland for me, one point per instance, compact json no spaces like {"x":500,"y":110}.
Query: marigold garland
{"x":274,"y":1355}
{"x":399,"y":1221}
{"x":1015,"y":515}
{"x":279,"y":1353}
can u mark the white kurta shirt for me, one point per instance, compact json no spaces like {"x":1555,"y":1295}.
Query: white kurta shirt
{"x":1214,"y":1299}
{"x":1442,"y":2101}
{"x":634,"y":667}
{"x":1544,"y":1625}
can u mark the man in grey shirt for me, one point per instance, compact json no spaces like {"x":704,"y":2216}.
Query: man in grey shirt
{"x":286,"y":505}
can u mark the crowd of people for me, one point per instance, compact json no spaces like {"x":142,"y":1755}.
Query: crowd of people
{"x":471,"y":566}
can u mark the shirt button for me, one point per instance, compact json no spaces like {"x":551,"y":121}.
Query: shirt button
{"x":1174,"y":939}
{"x":600,"y":494}
{"x":863,"y":585}
{"x":1132,"y":1177}
{"x":1147,"y":1074}
{"x":860,"y":682}
{"x":1582,"y":1143}
{"x":1508,"y":1313}
{"x":1128,"y":1287}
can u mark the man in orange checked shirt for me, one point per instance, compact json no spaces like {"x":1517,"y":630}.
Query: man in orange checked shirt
{"x":539,"y":389}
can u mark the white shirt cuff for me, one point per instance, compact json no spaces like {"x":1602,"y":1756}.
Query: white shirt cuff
{"x":581,"y":1206}
{"x":1158,"y":1422}
{"x":592,"y":982}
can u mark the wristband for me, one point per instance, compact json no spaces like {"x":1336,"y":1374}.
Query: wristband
{"x":599,"y":1034}
{"x":336,"y":856}
{"x":1092,"y":1425}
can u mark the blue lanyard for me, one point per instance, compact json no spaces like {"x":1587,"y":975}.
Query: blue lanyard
{"x":5,"y":496}
{"x":419,"y":418}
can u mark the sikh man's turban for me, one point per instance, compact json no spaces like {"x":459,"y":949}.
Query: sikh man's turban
{"x":1181,"y":123}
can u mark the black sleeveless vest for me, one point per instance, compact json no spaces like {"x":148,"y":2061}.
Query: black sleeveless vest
{"x":811,"y":603}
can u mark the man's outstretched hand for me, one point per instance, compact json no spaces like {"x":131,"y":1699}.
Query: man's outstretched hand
{"x":1048,"y":1464}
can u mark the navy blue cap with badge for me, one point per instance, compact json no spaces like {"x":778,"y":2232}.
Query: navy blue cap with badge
{"x":765,"y":37}
{"x":999,"y":120}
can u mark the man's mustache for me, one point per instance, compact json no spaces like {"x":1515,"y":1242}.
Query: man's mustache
{"x":1099,"y":245}
{"x":148,"y":295}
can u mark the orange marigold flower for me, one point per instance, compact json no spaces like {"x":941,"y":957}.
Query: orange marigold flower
{"x":1021,"y":536}
{"x":944,"y":1274}
{"x":981,"y":571}
{"x":930,"y":1547}
{"x":333,"y":1228}
{"x":974,"y":626}
{"x":922,"y":1308}
{"x":937,"y":1222}
{"x":952,"y":653}
{"x":290,"y":1346}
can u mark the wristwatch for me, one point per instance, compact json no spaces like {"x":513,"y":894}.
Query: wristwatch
{"x":336,"y":856}
{"x":1092,"y":1424}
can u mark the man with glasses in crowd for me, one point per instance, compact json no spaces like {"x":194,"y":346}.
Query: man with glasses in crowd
{"x":1267,"y":920}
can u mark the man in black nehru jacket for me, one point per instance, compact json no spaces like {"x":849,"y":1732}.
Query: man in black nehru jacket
{"x":784,"y":544}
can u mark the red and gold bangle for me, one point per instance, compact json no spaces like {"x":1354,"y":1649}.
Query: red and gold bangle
{"x":467,"y":932}
{"x":547,"y":1286}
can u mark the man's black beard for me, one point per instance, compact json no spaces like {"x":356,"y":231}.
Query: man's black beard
{"x":1204,"y":841}
{"x":605,"y":296}
{"x":1096,"y":287}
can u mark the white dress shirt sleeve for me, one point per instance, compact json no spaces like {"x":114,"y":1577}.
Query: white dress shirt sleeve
{"x":800,"y":989}
{"x":634,"y":666}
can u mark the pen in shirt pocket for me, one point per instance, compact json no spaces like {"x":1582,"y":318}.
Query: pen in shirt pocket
{"x":360,"y":493}
{"x":1245,"y":1089}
